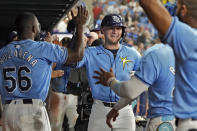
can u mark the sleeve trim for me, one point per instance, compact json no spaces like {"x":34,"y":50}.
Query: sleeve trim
{"x":148,"y":84}
{"x":169,"y":31}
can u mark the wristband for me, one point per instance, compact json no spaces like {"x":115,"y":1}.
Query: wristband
{"x":109,"y":81}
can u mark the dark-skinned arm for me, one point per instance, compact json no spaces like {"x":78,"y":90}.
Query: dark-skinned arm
{"x":76,"y":53}
{"x":157,"y":14}
{"x":56,"y":73}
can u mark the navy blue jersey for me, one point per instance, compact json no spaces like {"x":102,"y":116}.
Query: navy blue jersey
{"x":25,"y":68}
{"x":126,"y":60}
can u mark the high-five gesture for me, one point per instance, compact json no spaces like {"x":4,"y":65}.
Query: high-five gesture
{"x":81,"y":17}
{"x":76,"y":53}
{"x":103,"y":76}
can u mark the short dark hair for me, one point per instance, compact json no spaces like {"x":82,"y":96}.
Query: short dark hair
{"x":66,"y":41}
{"x":24,"y":20}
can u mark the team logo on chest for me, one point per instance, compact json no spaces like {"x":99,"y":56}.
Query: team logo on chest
{"x":124,"y":61}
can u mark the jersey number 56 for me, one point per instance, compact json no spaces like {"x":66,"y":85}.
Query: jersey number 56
{"x":17,"y":79}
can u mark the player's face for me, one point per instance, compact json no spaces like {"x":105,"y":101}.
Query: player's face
{"x":112,"y":34}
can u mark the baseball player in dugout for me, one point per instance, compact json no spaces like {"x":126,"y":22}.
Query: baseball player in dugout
{"x":123,"y":60}
{"x":156,"y":74}
{"x":180,"y":32}
{"x":60,"y":102}
{"x":25,"y":72}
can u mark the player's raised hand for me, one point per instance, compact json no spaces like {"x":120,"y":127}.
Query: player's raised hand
{"x":81,"y":17}
{"x":103,"y":76}
{"x":112,"y":115}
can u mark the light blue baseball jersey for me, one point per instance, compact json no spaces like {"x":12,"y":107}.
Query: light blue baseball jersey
{"x":126,"y":60}
{"x":25,"y":68}
{"x":157,"y":70}
{"x":183,"y":40}
{"x":59,"y":84}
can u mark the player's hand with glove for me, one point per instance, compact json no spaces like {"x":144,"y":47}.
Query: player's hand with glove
{"x":104,"y":77}
{"x":112,"y":115}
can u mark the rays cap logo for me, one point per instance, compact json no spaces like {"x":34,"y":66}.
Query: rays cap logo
{"x":112,"y":20}
{"x":116,"y":19}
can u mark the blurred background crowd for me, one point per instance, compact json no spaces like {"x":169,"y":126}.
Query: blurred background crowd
{"x":140,"y":33}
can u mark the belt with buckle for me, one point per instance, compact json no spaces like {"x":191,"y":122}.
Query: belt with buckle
{"x":109,"y":104}
{"x":25,"y":101}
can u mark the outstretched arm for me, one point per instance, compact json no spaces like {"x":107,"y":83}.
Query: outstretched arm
{"x":157,"y":14}
{"x":128,"y":89}
{"x":76,"y":53}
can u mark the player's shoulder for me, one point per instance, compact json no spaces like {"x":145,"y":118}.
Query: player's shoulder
{"x":130,"y":50}
{"x":30,"y":43}
{"x":27,"y":45}
{"x":43,"y":43}
{"x":159,"y":51}
{"x":178,"y":28}
{"x":162,"y":48}
{"x":154,"y":48}
{"x":7,"y":47}
{"x":192,"y":32}
{"x":179,"y":23}
{"x":94,"y":49}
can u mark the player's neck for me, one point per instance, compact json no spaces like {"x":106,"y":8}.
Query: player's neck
{"x":26,"y":37}
{"x":112,"y":47}
{"x":192,"y":23}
